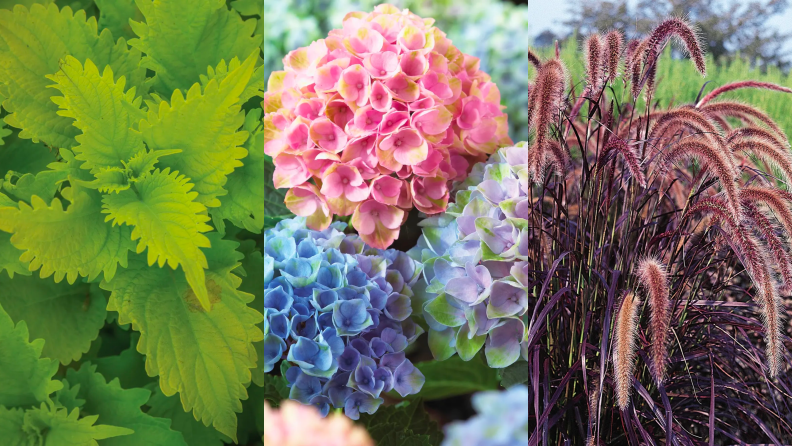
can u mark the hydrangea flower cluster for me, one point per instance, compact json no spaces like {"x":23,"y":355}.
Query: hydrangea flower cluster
{"x":383,"y":115}
{"x":476,"y":264}
{"x":297,"y":425}
{"x":338,"y":311}
{"x":502,"y":420}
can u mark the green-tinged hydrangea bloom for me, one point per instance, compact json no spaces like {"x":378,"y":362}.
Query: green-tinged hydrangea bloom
{"x":475,"y":257}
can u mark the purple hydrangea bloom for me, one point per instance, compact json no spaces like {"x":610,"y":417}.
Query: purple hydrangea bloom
{"x":337,"y":312}
{"x":476,"y":258}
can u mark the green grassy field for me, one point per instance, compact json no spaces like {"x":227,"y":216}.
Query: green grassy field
{"x":679,"y":83}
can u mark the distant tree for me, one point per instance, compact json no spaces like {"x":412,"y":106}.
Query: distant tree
{"x":545,"y":38}
{"x":727,"y":27}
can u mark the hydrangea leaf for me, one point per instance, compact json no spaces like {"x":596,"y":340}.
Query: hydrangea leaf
{"x":26,"y":377}
{"x":58,"y":426}
{"x":92,"y":247}
{"x":244,"y":206}
{"x":115,"y":15}
{"x":404,"y":424}
{"x":95,"y":102}
{"x":121,"y":407}
{"x":181,"y":38}
{"x":194,"y":432}
{"x":67,"y":317}
{"x":168,"y":222}
{"x":455,"y":376}
{"x":515,"y":374}
{"x":32,"y":44}
{"x":466,"y":346}
{"x":204,"y":127}
{"x":442,"y":343}
{"x":206,"y":356}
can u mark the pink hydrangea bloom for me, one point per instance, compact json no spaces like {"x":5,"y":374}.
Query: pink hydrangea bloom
{"x":379,"y":117}
{"x":295,"y":424}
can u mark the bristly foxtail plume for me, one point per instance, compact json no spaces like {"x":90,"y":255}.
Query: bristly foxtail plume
{"x":755,"y":262}
{"x":626,"y":334}
{"x":767,"y":231}
{"x":544,"y":102}
{"x":534,"y":59}
{"x":714,"y":158}
{"x":613,"y":48}
{"x":628,"y":153}
{"x":741,"y":111}
{"x":769,"y":153}
{"x":741,"y":84}
{"x":634,"y":65}
{"x":774,"y":199}
{"x":690,"y":118}
{"x":684,"y":33}
{"x":592,"y":48}
{"x":653,"y":277}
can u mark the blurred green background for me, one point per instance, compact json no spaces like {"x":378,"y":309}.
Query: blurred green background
{"x":494,"y":31}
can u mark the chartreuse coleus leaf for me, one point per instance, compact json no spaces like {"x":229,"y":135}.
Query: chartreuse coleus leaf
{"x":115,"y":15}
{"x":26,"y":377}
{"x":97,"y":104}
{"x":168,"y":223}
{"x":32,"y":44}
{"x":121,"y":407}
{"x":91,"y":246}
{"x":182,"y":37}
{"x":50,"y":425}
{"x":24,"y":156}
{"x":67,"y":317}
{"x":204,"y":126}
{"x":9,"y":4}
{"x":4,"y":131}
{"x":206,"y":356}
{"x":244,"y":204}
{"x":256,"y":86}
{"x":194,"y":432}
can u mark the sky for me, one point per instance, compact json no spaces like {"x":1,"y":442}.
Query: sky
{"x":549,"y":14}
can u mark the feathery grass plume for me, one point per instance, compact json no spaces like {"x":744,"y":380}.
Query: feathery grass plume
{"x":755,"y":262}
{"x":715,"y":159}
{"x":653,"y":277}
{"x":626,"y":336}
{"x":684,"y":33}
{"x":775,"y":245}
{"x":628,"y":153}
{"x":739,"y":110}
{"x":534,"y":59}
{"x":544,"y":102}
{"x":769,"y":153}
{"x":741,"y":84}
{"x":685,"y":117}
{"x":774,"y":199}
{"x":613,"y":48}
{"x":634,"y":65}
{"x":592,"y":48}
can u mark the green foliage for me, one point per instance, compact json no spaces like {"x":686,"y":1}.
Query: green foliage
{"x":133,"y":170}
{"x":405,"y":424}
{"x":454,"y":376}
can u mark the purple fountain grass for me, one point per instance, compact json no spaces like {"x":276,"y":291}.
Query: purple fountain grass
{"x":684,"y":33}
{"x":713,"y":238}
{"x":653,"y":277}
{"x":741,"y":84}
{"x":534,"y":59}
{"x":592,"y":49}
{"x":625,"y":338}
{"x":613,"y":48}
{"x":544,"y":103}
{"x":776,"y":247}
{"x":741,"y":111}
{"x":617,"y":145}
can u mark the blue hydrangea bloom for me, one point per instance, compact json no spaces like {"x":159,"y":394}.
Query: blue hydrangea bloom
{"x":502,"y":420}
{"x":338,"y":312}
{"x":476,"y":264}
